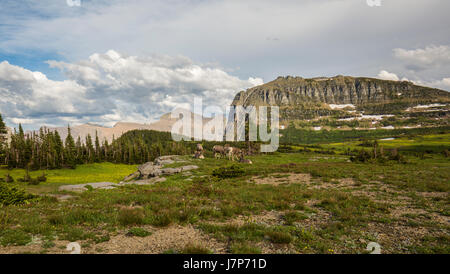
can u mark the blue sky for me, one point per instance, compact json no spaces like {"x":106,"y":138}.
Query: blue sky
{"x":92,"y":61}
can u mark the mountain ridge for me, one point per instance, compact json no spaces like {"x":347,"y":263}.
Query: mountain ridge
{"x":306,"y":98}
{"x":334,"y":90}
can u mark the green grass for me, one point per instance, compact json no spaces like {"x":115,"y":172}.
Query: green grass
{"x":89,"y":173}
{"x":312,"y":219}
{"x":14,"y":237}
{"x":138,"y":232}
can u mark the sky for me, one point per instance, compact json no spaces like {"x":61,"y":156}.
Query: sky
{"x":103,"y":61}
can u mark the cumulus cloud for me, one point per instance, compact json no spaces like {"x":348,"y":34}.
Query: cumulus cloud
{"x":441,"y":84}
{"x":428,"y":57}
{"x":428,"y":66}
{"x":111,"y":87}
{"x":385,"y":75}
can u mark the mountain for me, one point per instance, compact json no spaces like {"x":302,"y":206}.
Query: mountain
{"x":164,"y":124}
{"x":300,"y":98}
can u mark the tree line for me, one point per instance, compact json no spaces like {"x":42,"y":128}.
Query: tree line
{"x":47,"y":150}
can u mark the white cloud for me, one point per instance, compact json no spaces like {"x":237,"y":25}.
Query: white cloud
{"x":430,"y":56}
{"x":112,"y":87}
{"x":441,"y":84}
{"x":385,"y":75}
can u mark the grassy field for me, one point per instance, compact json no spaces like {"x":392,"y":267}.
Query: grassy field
{"x":432,"y":143}
{"x":298,"y":202}
{"x":90,"y":173}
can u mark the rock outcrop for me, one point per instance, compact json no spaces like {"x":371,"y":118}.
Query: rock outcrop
{"x":147,"y":174}
{"x":295,"y":91}
{"x":156,"y":168}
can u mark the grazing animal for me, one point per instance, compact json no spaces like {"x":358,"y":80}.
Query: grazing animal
{"x":199,"y":155}
{"x":199,"y":147}
{"x":233,"y":153}
{"x":199,"y":152}
{"x":242,"y":159}
{"x":245,"y":161}
{"x":219,"y":151}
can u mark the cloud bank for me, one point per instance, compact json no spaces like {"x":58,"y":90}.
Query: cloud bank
{"x":111,"y":87}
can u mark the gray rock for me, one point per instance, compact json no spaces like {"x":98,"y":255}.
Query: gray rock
{"x":144,"y":182}
{"x":169,"y":171}
{"x":189,"y":167}
{"x":82,"y":187}
{"x":168,"y":159}
{"x":132,"y":176}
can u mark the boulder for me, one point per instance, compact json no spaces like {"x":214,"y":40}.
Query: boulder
{"x":83,"y":187}
{"x":144,"y":182}
{"x":132,"y":176}
{"x":168,"y":159}
{"x":147,"y":170}
{"x":190,"y":167}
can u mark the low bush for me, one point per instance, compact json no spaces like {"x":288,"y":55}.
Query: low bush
{"x":139,"y":232}
{"x":34,"y":181}
{"x":9,"y":179}
{"x":13,"y":196}
{"x":131,"y":216}
{"x":228,"y":172}
{"x":278,"y":237}
{"x":42,"y":178}
{"x":195,"y":249}
{"x":14,"y":238}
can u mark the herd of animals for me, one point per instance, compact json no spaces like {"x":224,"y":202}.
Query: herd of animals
{"x":232,"y":153}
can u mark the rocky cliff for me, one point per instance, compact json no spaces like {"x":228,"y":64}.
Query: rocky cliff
{"x":306,"y":98}
{"x":291,"y":91}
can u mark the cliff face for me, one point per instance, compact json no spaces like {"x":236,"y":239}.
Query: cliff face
{"x":296,"y":91}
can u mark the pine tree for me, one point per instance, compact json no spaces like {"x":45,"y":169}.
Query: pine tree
{"x":3,"y":133}
{"x":90,"y":149}
{"x":70,"y":150}
{"x":97,"y":148}
{"x":58,"y":150}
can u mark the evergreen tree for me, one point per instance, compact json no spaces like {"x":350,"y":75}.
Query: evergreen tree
{"x":90,"y":149}
{"x":70,"y":150}
{"x":3,"y":133}
{"x":97,"y":148}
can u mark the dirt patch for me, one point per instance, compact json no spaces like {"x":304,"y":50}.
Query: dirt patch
{"x":395,"y":238}
{"x":35,"y":247}
{"x":283,"y":178}
{"x":442,"y":195}
{"x":174,"y":237}
{"x":268,"y":218}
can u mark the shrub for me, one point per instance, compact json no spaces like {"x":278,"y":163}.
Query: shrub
{"x":446,"y":153}
{"x":228,"y":172}
{"x":131,"y":216}
{"x":139,"y":232}
{"x":13,"y":196}
{"x":292,"y":217}
{"x":279,"y":237}
{"x":42,"y":178}
{"x":9,"y":179}
{"x":34,"y":181}
{"x":243,"y":248}
{"x":14,"y":237}
{"x":195,"y":249}
{"x":161,"y":220}
{"x":362,"y":156}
